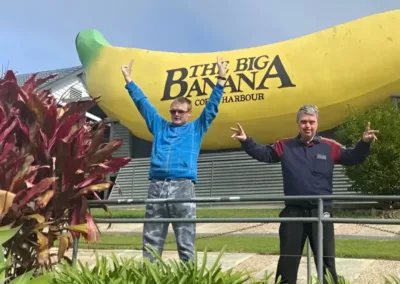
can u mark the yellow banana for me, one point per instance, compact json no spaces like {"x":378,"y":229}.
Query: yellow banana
{"x":356,"y":63}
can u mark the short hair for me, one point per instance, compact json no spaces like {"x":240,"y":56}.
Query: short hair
{"x":183,"y":100}
{"x":308,"y":109}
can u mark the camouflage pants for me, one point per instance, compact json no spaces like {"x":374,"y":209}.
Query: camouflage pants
{"x":154,"y":234}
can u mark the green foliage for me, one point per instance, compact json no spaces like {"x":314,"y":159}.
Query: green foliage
{"x":121,"y":270}
{"x":392,"y":279}
{"x":379,"y":173}
{"x":329,"y":279}
{"x":130,"y":270}
{"x":6,"y":233}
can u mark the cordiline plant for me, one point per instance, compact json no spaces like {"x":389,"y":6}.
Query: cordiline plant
{"x":52,"y":160}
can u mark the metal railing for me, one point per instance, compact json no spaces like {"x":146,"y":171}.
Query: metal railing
{"x":320,"y":219}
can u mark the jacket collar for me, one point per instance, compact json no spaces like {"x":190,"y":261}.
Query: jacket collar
{"x":316,"y":139}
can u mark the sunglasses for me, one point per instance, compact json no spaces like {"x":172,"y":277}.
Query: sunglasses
{"x":178,"y":111}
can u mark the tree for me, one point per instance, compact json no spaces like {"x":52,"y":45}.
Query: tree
{"x":379,"y":174}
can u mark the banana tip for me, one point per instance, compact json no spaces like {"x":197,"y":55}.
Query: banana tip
{"x":88,"y":44}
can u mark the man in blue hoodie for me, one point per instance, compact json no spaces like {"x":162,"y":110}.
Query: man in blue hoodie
{"x":173,"y":168}
{"x":307,"y":162}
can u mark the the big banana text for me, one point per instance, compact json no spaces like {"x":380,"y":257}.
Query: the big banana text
{"x":356,"y":64}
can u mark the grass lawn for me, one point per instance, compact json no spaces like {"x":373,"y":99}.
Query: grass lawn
{"x":256,"y":244}
{"x":222,"y":213}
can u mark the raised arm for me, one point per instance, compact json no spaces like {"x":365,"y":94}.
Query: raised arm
{"x":260,"y":152}
{"x":211,"y":109}
{"x":147,"y":110}
{"x":354,"y":155}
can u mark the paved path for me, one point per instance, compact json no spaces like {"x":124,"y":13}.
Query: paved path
{"x":358,"y":271}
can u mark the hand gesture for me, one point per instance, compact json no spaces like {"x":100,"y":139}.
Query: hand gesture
{"x":369,"y":134}
{"x":239,"y":133}
{"x":222,"y":67}
{"x":126,"y":70}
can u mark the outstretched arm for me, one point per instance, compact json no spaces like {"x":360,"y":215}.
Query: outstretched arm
{"x":211,"y":109}
{"x":354,"y":155}
{"x":260,"y":152}
{"x":147,"y":110}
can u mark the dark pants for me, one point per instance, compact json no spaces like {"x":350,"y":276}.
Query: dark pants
{"x":292,"y":239}
{"x":154,"y":234}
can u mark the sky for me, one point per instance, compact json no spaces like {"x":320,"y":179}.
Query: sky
{"x":40,"y":35}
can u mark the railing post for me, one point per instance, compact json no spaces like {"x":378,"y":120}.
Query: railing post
{"x":75,"y":251}
{"x":308,"y":261}
{"x":212,"y":181}
{"x":320,"y":242}
{"x":133,"y":181}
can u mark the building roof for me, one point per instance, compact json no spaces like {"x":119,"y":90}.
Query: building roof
{"x":21,"y":79}
{"x":62,"y":73}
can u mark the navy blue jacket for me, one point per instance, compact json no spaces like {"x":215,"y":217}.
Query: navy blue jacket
{"x":307,"y":168}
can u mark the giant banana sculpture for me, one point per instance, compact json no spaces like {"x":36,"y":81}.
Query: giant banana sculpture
{"x":356,"y":64}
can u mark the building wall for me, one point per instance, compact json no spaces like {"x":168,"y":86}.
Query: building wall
{"x":118,"y":131}
{"x":62,"y":88}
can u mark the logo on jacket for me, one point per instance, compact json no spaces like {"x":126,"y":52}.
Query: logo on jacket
{"x":321,"y":157}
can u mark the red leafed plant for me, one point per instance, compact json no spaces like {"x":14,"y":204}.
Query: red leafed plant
{"x":51,"y":162}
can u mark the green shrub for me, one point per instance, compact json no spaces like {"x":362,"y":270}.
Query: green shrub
{"x":129,"y":270}
{"x":392,"y":279}
{"x":124,"y":270}
{"x":379,"y":173}
{"x":6,"y":233}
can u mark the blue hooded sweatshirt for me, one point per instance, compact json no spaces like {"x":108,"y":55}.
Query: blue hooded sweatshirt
{"x":175,"y":149}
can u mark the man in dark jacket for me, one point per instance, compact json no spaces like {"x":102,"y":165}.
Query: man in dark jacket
{"x":307,"y":167}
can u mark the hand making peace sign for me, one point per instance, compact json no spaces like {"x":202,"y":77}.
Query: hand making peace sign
{"x":239,"y":133}
{"x":369,"y":134}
